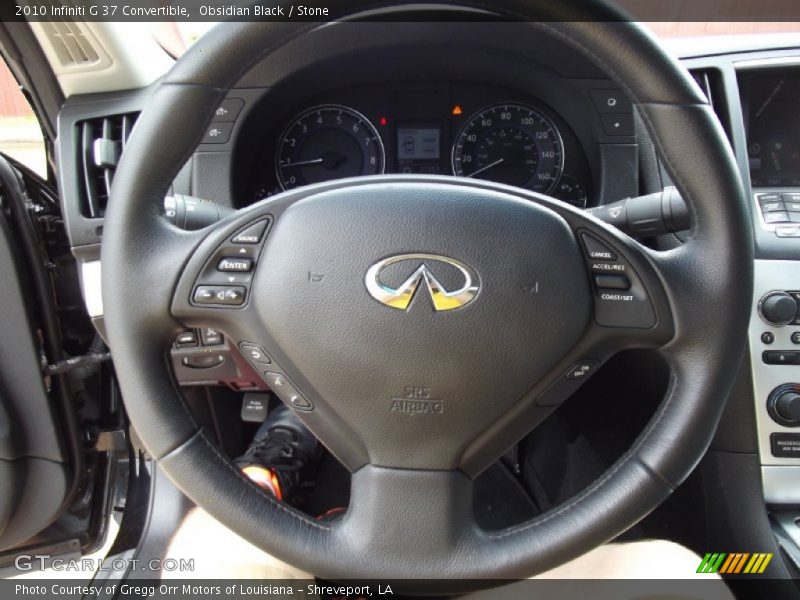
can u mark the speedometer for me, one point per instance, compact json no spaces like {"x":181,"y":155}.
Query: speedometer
{"x":513,"y":144}
{"x":328,"y":142}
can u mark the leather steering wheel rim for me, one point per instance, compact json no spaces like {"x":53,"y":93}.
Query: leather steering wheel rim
{"x":706,"y":285}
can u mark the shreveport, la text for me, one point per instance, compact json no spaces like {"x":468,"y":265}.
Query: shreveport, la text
{"x":164,"y":589}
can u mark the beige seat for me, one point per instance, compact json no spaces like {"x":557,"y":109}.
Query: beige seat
{"x":669,"y":567}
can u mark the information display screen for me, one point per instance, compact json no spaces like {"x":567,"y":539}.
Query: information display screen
{"x":418,"y":143}
{"x":771,"y":103}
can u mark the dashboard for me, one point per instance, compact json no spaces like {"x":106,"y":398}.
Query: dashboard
{"x":450,"y":128}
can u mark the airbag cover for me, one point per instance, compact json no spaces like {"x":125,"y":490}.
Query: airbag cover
{"x":415,"y":383}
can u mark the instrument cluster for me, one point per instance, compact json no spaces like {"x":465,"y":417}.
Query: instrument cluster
{"x":465,"y":130}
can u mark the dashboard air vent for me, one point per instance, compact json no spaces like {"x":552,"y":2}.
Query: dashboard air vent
{"x":102,"y":141}
{"x":70,"y":45}
{"x":710,"y":81}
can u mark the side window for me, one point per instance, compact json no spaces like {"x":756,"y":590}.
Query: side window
{"x":20,"y":135}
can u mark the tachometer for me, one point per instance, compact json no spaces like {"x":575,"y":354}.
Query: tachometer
{"x":328,"y":142}
{"x":513,"y":144}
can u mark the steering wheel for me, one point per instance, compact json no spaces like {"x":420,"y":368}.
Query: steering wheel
{"x":420,"y":326}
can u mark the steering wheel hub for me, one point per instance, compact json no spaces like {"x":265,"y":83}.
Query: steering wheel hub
{"x":418,"y":384}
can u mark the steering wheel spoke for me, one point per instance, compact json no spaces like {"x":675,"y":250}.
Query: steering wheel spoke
{"x":393,"y":509}
{"x":631,"y":308}
{"x":216,"y":291}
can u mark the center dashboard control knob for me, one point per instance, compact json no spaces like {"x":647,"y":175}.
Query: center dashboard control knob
{"x":778,"y":308}
{"x":783,"y":405}
{"x":787,"y":405}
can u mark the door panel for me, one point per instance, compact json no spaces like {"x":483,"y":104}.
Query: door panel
{"x":34,"y":474}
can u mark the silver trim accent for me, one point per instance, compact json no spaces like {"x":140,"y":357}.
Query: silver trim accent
{"x":400,"y":298}
{"x":771,"y":275}
{"x":789,"y":522}
{"x":781,"y":484}
{"x":759,"y":63}
{"x":91,"y":283}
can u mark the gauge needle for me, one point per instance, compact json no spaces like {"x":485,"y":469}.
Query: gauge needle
{"x":329,"y":160}
{"x":487,"y":167}
{"x":303,"y":163}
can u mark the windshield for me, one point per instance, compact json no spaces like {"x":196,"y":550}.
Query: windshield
{"x":176,"y":38}
{"x":670,"y":29}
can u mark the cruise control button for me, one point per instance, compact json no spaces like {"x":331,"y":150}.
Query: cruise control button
{"x":618,"y":308}
{"x":235,"y":265}
{"x":596,"y":249}
{"x":251,"y":235}
{"x":612,"y":282}
{"x":581,"y":369}
{"x":229,"y":295}
{"x":255,"y":353}
{"x":609,"y":267}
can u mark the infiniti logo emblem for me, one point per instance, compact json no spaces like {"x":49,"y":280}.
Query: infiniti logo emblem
{"x":425,"y":266}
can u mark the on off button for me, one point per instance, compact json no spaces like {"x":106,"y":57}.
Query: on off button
{"x":581,"y":369}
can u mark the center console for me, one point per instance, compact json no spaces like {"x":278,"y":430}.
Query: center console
{"x":771,"y":116}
